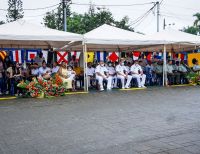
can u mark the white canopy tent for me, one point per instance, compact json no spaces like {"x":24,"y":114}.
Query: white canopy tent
{"x":23,"y":34}
{"x":110,"y":38}
{"x":172,"y":40}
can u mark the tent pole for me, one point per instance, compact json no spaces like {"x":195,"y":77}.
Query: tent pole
{"x":85,"y":66}
{"x":164,"y":67}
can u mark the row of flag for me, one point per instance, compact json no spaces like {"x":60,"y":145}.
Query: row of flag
{"x":114,"y":56}
{"x":21,"y":56}
{"x":18,"y":55}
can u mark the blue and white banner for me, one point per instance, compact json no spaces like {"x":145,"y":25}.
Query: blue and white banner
{"x":101,"y":56}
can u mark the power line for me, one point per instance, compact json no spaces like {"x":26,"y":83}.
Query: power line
{"x":113,"y":5}
{"x":42,"y":8}
{"x":139,"y":19}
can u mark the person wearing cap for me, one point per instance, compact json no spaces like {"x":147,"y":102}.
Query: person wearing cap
{"x":137,"y":73}
{"x":102,"y":74}
{"x":122,"y":74}
{"x":112,"y":72}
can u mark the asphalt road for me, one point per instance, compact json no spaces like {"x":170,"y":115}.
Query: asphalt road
{"x":154,"y":120}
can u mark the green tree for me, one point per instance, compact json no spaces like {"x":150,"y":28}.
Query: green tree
{"x":2,"y":22}
{"x":197,"y":20}
{"x":124,"y":24}
{"x":191,"y":30}
{"x":83,"y":23}
{"x":54,"y":19}
{"x":15,"y":10}
{"x":195,"y":29}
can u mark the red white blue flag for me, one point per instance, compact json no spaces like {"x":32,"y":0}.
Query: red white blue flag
{"x":76,"y":54}
{"x":30,"y":55}
{"x":17,"y":56}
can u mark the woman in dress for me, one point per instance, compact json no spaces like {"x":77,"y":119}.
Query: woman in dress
{"x":63,"y":73}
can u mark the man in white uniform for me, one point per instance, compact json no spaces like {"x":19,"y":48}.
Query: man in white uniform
{"x":102,"y":74}
{"x":137,"y":73}
{"x":112,"y":72}
{"x":122,"y":74}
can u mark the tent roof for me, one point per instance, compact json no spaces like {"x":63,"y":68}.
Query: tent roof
{"x":174,"y":40}
{"x":110,"y":35}
{"x":22,"y":33}
{"x":172,"y":36}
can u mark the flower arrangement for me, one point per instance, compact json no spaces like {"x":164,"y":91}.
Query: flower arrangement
{"x":194,"y":78}
{"x":40,"y":88}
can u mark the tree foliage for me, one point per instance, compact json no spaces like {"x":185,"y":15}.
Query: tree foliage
{"x":195,"y":29}
{"x":82,"y":23}
{"x":2,"y":22}
{"x":15,"y":10}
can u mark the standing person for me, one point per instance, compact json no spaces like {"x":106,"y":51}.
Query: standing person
{"x":102,"y":74}
{"x":63,"y":73}
{"x":44,"y":71}
{"x":122,"y":74}
{"x":137,"y":73}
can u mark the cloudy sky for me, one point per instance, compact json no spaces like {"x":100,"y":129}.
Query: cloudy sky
{"x":178,"y":12}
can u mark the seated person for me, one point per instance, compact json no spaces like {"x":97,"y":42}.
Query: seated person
{"x":34,"y":71}
{"x":44,"y":71}
{"x":171,"y":75}
{"x":137,"y":73}
{"x":90,"y":73}
{"x":158,"y":69}
{"x":122,"y":74}
{"x":72,"y":76}
{"x":63,"y":73}
{"x":112,"y":72}
{"x":182,"y":70}
{"x":79,"y":73}
{"x":196,"y":67}
{"x":176,"y":72}
{"x":55,"y":68}
{"x":102,"y":74}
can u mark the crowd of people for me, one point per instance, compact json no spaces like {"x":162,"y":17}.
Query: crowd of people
{"x":12,"y":73}
{"x":139,"y":73}
{"x":102,"y":75}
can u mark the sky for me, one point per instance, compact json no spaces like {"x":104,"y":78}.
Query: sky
{"x":177,"y":13}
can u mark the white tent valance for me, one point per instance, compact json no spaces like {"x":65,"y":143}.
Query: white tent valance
{"x":22,"y":34}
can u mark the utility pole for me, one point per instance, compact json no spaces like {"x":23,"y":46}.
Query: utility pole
{"x":164,"y":24}
{"x":65,"y":3}
{"x":158,"y":14}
